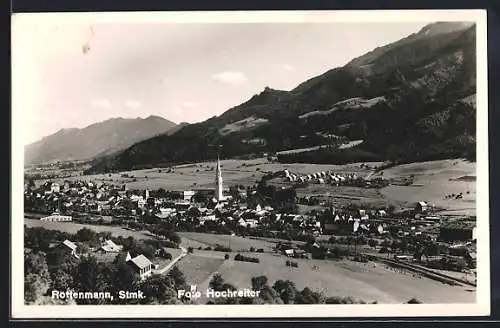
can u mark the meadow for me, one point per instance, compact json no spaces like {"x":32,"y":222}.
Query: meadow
{"x":236,"y":243}
{"x":364,"y":281}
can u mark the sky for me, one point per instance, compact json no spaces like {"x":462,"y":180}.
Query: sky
{"x":71,"y":75}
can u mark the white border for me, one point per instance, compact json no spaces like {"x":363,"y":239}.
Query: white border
{"x":480,"y":308}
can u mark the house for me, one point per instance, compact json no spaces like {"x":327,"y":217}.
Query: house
{"x":141,"y":264}
{"x":110,"y":247}
{"x":69,"y":246}
{"x":55,"y":187}
{"x":421,"y":207}
{"x":188,"y":195}
{"x":458,"y":231}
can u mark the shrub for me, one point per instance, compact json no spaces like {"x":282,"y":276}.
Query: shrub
{"x":220,"y":248}
{"x":226,"y":257}
{"x":260,"y":250}
{"x":208,"y":248}
{"x":252,"y":249}
{"x":294,"y":264}
{"x":190,"y":249}
{"x":414,"y":301}
{"x":239,"y":257}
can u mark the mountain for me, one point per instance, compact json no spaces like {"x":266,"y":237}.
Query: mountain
{"x":410,"y":100}
{"x":97,"y":140}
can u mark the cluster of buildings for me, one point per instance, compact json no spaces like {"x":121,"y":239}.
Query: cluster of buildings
{"x":140,"y":263}
{"x":217,"y":210}
{"x":319,"y":177}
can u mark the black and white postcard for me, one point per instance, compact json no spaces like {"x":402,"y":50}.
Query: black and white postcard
{"x":250,"y":164}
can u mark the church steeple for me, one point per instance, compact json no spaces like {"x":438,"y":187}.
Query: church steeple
{"x":218,"y":181}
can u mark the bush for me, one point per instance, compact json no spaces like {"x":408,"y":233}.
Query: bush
{"x":226,"y":257}
{"x":190,"y":249}
{"x":294,"y":264}
{"x":414,"y":301}
{"x":252,"y":249}
{"x":239,"y":257}
{"x":220,"y":248}
{"x":208,"y":248}
{"x":260,"y":250}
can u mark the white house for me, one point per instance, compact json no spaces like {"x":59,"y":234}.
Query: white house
{"x":70,"y":246}
{"x":55,"y":187}
{"x":141,"y":264}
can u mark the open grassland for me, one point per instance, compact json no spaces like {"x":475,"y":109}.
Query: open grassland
{"x":236,"y":243}
{"x":197,"y":269}
{"x":368,"y":282}
{"x":202,"y":175}
{"x":433,"y":181}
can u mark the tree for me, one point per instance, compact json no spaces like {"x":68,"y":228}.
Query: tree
{"x":259,"y":282}
{"x":159,"y":289}
{"x":86,"y":235}
{"x":62,"y":279}
{"x":178,"y":278}
{"x":92,"y":277}
{"x":36,"y":276}
{"x":217,"y":282}
{"x":307,"y":296}
{"x":286,"y":289}
{"x":414,"y":301}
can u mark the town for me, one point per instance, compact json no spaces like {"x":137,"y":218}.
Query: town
{"x":417,"y":240}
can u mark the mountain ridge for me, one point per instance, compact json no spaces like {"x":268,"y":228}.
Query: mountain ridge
{"x":406,"y":106}
{"x":96,"y":139}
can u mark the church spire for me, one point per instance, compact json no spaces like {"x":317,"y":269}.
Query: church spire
{"x":218,"y":180}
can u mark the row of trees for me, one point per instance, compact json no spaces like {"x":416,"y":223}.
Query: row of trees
{"x":281,"y":292}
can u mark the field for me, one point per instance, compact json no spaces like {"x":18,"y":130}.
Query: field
{"x":433,"y":181}
{"x":367,"y":282}
{"x":198,"y":269}
{"x":236,"y":243}
{"x":202,"y":175}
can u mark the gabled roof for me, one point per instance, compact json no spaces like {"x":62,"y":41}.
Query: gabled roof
{"x":141,"y":261}
{"x":69,"y":244}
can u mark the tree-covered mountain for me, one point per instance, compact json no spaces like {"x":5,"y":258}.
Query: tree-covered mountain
{"x":410,"y":100}
{"x":96,"y":140}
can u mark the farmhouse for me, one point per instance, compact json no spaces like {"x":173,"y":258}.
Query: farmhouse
{"x":69,"y":246}
{"x":421,"y":207}
{"x":141,"y":264}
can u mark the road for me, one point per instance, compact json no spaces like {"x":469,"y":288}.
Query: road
{"x":169,"y":266}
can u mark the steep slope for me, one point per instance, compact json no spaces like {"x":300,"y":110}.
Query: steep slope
{"x":96,"y":140}
{"x":402,"y":102}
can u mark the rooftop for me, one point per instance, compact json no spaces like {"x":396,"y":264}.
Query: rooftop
{"x":69,"y":244}
{"x":141,"y":261}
